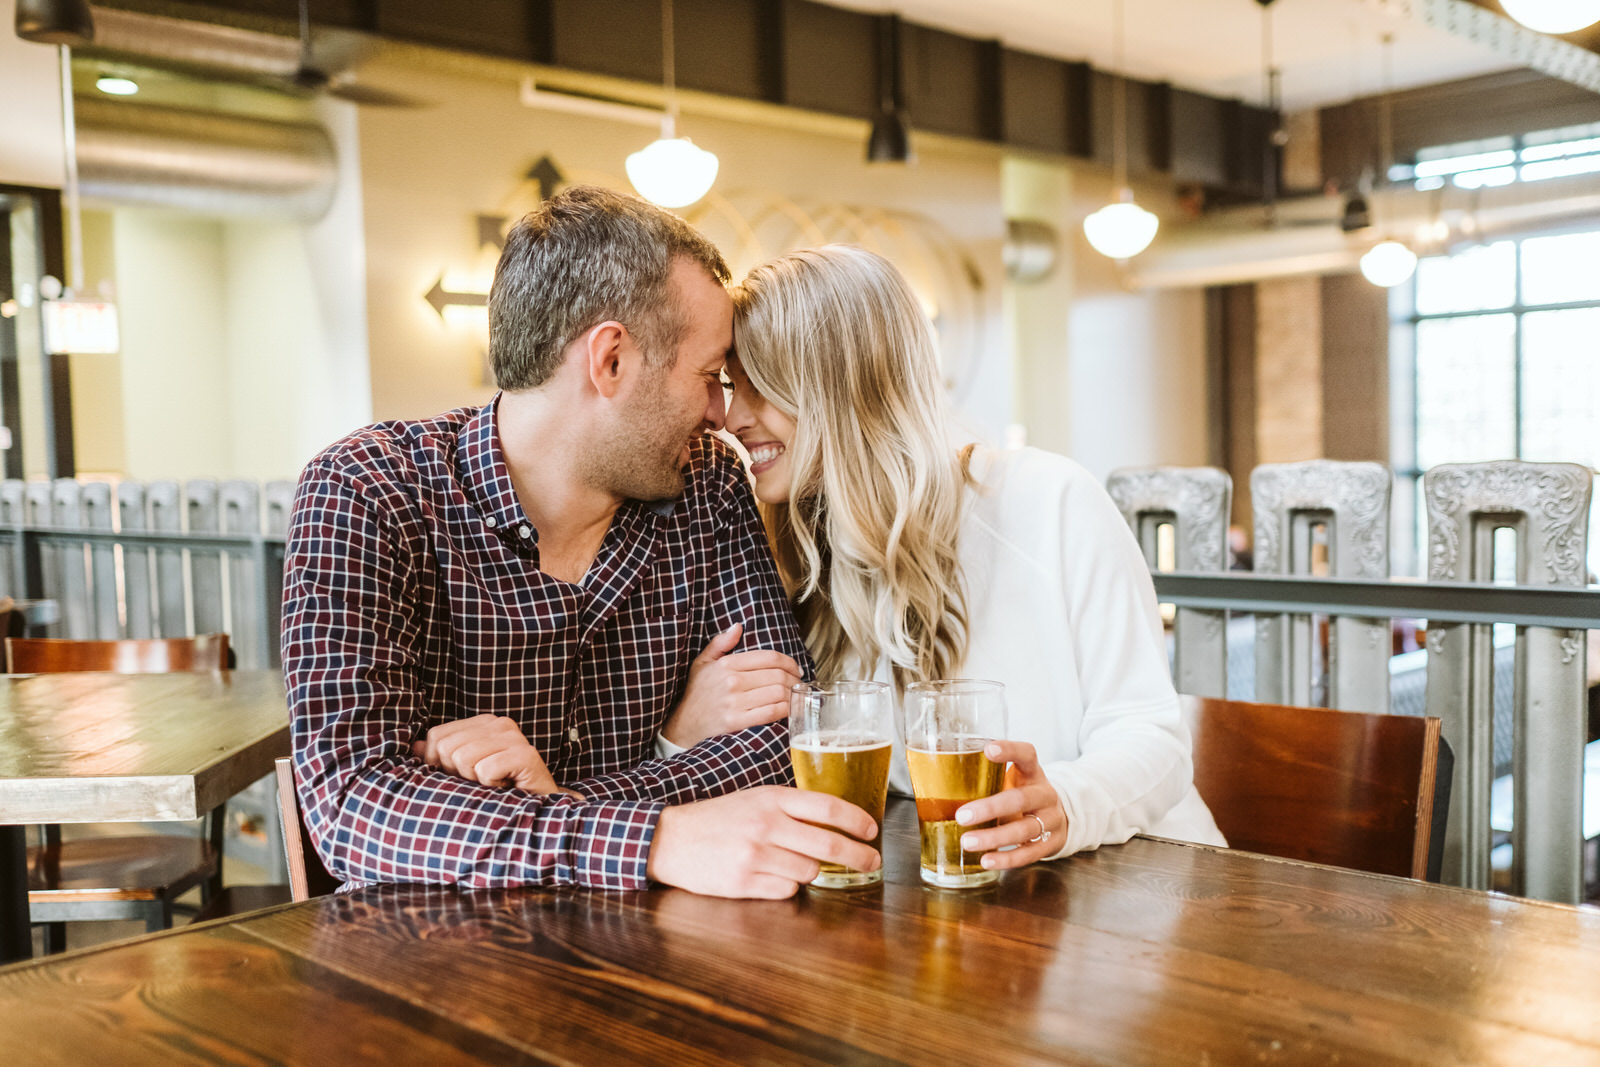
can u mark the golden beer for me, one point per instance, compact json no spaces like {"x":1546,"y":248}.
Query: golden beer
{"x":943,"y":781}
{"x":853,"y":768}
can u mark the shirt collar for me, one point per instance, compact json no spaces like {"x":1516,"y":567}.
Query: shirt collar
{"x":481,"y":466}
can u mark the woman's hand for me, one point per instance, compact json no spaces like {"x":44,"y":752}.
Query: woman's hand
{"x":730,"y":691}
{"x":489,"y":749}
{"x":1028,"y":808}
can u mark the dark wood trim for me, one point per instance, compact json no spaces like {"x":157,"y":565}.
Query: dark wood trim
{"x":799,"y":53}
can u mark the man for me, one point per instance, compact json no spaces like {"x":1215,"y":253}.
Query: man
{"x":469,"y":592}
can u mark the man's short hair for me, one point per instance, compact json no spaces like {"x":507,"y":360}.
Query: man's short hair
{"x":586,"y":256}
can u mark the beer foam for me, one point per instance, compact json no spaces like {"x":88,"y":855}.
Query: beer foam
{"x":839,"y":741}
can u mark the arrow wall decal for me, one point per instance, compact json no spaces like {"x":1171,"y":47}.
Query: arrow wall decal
{"x":439,"y":298}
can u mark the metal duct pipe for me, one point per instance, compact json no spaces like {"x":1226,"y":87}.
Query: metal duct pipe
{"x":1236,"y":246}
{"x":208,"y":164}
{"x":197,"y":45}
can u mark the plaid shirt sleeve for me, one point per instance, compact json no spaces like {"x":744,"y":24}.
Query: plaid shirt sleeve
{"x":745,"y":588}
{"x":352,"y":651}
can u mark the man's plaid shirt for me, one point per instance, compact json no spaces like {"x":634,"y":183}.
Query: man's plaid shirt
{"x":413,"y":597}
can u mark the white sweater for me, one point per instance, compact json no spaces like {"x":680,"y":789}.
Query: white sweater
{"x":1061,"y":609}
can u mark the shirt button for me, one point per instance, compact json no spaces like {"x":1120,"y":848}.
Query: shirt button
{"x":572,"y":734}
{"x":524,"y":532}
{"x":491,"y":522}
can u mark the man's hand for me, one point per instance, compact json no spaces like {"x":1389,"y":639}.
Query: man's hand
{"x":730,"y":691}
{"x":488,"y":749}
{"x":759,"y":842}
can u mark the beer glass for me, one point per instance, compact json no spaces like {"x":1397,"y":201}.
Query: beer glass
{"x":840,"y":741}
{"x":945,"y":725}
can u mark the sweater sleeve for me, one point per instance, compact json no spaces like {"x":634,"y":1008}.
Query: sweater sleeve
{"x":1134,"y":759}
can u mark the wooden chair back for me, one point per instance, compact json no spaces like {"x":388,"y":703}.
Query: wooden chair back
{"x":307,"y":876}
{"x":12,"y":624}
{"x":1345,"y":788}
{"x":207,"y":652}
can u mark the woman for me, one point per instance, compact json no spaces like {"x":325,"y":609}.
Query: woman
{"x":911,"y":558}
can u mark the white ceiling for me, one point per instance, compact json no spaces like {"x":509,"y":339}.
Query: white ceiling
{"x":1329,"y":50}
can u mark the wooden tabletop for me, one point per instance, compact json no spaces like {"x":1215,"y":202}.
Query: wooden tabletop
{"x":1150,"y":952}
{"x":92,"y":747}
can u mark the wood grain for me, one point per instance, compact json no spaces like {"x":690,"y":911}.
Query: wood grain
{"x":1149,"y":952}
{"x":1348,"y":788}
{"x":125,"y":748}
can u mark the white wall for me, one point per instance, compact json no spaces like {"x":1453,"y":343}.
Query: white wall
{"x":428,"y":173}
{"x":171,"y":274}
{"x":1111,"y":377}
{"x":30,"y":120}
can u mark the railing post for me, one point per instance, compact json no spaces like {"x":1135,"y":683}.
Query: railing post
{"x":1547,"y":504}
{"x":13,"y":582}
{"x":205,"y":565}
{"x":1196,"y":502}
{"x":102,"y":563}
{"x":166,"y":516}
{"x":1352,"y":501}
{"x":135,"y":563}
{"x":240,"y":505}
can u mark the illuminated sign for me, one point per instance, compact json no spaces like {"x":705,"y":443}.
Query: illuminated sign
{"x":81,"y":326}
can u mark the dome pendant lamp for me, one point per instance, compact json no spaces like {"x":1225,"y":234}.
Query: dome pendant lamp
{"x":1121,"y":229}
{"x":671,"y":171}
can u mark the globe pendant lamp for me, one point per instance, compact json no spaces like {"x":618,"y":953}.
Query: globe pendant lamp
{"x":1121,"y":229}
{"x":1389,"y":262}
{"x":1553,"y":16}
{"x":671,"y":171}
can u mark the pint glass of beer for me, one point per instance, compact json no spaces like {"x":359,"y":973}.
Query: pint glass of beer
{"x":945,"y":726}
{"x":840,"y":740}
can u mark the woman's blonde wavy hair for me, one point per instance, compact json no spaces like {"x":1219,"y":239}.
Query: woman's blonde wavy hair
{"x":834,"y":338}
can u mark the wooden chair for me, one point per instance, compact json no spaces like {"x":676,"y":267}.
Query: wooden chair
{"x":12,"y":623}
{"x":208,"y":652}
{"x":307,"y":876}
{"x":131,"y":877}
{"x":1349,"y":789}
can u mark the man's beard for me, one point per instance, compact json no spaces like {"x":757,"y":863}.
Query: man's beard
{"x":641,"y":460}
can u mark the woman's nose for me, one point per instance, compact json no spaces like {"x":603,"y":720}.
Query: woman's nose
{"x":739,"y":418}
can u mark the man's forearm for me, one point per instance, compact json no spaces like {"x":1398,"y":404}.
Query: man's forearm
{"x":421,"y":825}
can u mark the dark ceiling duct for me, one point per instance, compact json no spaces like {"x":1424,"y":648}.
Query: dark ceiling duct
{"x":204,"y":163}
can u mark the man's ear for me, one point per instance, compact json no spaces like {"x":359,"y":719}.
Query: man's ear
{"x":609,"y":357}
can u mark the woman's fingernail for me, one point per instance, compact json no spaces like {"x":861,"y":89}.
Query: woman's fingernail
{"x":963,"y":816}
{"x":987,"y":860}
{"x":993,"y":751}
{"x":966,"y":845}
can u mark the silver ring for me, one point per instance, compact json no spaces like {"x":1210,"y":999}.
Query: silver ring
{"x":1043,"y":835}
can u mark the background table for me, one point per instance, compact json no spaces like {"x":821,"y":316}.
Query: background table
{"x":92,"y":747}
{"x":1150,"y":952}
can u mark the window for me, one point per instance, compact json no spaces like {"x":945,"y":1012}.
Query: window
{"x":1530,"y":157}
{"x":1506,"y":365}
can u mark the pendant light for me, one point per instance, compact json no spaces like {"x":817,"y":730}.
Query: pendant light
{"x":65,"y":22}
{"x":1389,"y":262}
{"x":1553,"y":16}
{"x":1121,"y":229}
{"x":890,"y":139}
{"x":671,"y":171}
